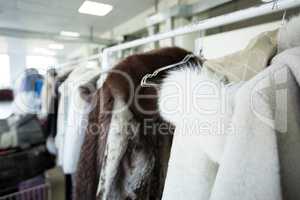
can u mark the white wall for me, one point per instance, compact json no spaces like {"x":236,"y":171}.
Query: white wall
{"x":218,"y":45}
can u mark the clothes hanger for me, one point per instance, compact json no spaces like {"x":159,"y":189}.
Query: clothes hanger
{"x":146,"y":83}
{"x":283,"y":20}
{"x":276,"y":6}
{"x":199,"y":51}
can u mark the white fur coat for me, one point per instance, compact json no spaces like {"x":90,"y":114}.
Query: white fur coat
{"x":236,"y":142}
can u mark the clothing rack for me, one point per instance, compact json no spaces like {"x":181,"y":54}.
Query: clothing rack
{"x":234,"y":17}
{"x":237,"y":16}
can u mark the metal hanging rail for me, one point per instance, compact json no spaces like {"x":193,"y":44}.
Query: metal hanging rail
{"x":249,"y":13}
{"x":214,"y":22}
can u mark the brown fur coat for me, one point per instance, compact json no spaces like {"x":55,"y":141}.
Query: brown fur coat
{"x":141,"y":161}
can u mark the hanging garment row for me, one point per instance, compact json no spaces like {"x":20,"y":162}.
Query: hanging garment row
{"x":204,"y":129}
{"x":24,"y":157}
{"x":237,"y":123}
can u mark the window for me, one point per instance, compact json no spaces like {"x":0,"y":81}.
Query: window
{"x":4,"y":71}
{"x":41,"y":63}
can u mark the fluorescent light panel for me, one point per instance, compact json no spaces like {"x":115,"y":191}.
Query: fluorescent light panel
{"x":56,"y":46}
{"x":69,"y":34}
{"x":95,"y":8}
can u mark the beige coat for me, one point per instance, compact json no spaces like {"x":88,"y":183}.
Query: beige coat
{"x":246,"y":63}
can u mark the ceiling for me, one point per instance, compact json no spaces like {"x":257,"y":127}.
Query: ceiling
{"x":52,"y":16}
{"x":56,"y":15}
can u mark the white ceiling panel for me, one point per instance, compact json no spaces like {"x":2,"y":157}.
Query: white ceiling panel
{"x":52,"y":16}
{"x":55,"y":15}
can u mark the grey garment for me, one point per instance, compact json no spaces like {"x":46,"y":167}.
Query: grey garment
{"x":21,"y":132}
{"x":8,"y":135}
{"x":3,"y":126}
{"x":29,"y":131}
{"x":288,"y":123}
{"x":261,"y":161}
{"x":289,"y":144}
{"x":8,"y":140}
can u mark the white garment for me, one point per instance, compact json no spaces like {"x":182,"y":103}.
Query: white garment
{"x":73,"y":117}
{"x":288,"y":36}
{"x":200,"y":107}
{"x":261,"y":130}
{"x":240,"y":160}
{"x":267,"y":115}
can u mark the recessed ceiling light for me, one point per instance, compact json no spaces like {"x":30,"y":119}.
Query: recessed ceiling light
{"x":95,"y":8}
{"x":44,"y":51}
{"x":56,"y":46}
{"x":69,"y":34}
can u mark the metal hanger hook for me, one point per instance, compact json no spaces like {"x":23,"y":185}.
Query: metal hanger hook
{"x":144,"y":82}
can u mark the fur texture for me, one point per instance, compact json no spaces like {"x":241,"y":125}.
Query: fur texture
{"x":256,"y":162}
{"x":199,"y":105}
{"x":195,"y":98}
{"x":124,"y":81}
{"x":289,"y":34}
{"x":188,"y":99}
{"x":92,"y":151}
{"x":145,"y":153}
{"x":137,"y":152}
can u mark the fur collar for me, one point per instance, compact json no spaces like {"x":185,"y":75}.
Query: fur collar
{"x":124,"y":79}
{"x":179,"y":85}
{"x":289,"y":34}
{"x":189,"y":94}
{"x":176,"y":102}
